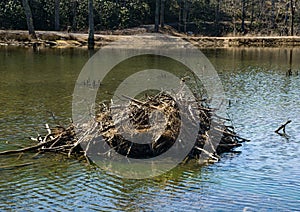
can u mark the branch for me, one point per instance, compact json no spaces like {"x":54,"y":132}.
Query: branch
{"x":282,"y":127}
{"x":27,"y":149}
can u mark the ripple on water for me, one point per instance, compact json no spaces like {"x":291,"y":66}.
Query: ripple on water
{"x":263,"y":177}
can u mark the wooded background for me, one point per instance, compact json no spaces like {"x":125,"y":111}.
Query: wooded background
{"x":204,"y":17}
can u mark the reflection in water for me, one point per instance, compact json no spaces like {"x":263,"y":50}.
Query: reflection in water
{"x":63,"y":184}
{"x":32,"y":84}
{"x":277,"y":59}
{"x":264,"y":176}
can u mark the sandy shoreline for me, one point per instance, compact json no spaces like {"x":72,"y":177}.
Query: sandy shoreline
{"x":52,"y":39}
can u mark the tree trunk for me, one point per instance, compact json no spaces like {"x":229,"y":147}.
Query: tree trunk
{"x":233,"y":17}
{"x":162,"y":13}
{"x":56,"y":11}
{"x":74,"y":6}
{"x":273,"y":14}
{"x":185,"y":11}
{"x":29,"y":19}
{"x":292,"y":17}
{"x":156,"y":28}
{"x":180,"y":15}
{"x":217,"y":11}
{"x":261,"y":14}
{"x":252,"y":14}
{"x":243,"y":16}
{"x":91,"y":41}
{"x":286,"y":17}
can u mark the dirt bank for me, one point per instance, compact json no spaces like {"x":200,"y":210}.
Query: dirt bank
{"x":225,"y":42}
{"x":51,"y":39}
{"x":79,"y":40}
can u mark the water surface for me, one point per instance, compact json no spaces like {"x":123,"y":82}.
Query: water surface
{"x":264,"y":176}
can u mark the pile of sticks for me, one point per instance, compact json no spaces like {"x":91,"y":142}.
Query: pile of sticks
{"x":157,"y":116}
{"x":136,"y":117}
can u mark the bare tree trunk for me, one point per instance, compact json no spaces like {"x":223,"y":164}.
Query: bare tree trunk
{"x":74,"y":15}
{"x":243,"y":16}
{"x":286,"y":13}
{"x":162,"y":13}
{"x":91,"y":41}
{"x":184,"y":17}
{"x":56,"y":11}
{"x":29,"y":18}
{"x":252,"y":14}
{"x":233,"y":17}
{"x":261,"y":15}
{"x":156,"y":27}
{"x":180,"y":15}
{"x":292,"y":17}
{"x":273,"y":14}
{"x":217,"y":11}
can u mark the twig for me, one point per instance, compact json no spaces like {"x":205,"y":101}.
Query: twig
{"x":231,"y":134}
{"x":48,"y":136}
{"x":20,"y":156}
{"x":48,"y":128}
{"x":52,"y":115}
{"x":54,"y":143}
{"x":208,"y":153}
{"x":282,"y":127}
{"x":141,"y":103}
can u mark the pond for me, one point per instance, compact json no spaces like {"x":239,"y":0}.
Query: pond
{"x":263,"y":176}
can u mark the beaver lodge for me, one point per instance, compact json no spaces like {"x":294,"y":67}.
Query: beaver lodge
{"x":146,"y":115}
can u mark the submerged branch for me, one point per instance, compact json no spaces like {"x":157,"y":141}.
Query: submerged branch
{"x":282,"y":127}
{"x":31,"y":148}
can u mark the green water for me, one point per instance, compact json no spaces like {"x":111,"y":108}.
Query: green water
{"x":264,"y":176}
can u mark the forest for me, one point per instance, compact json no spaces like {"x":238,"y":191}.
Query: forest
{"x":201,"y":17}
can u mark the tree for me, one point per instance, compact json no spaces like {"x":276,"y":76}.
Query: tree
{"x":234,"y":19}
{"x":217,"y":12}
{"x":243,"y":15}
{"x":273,"y":14}
{"x":252,"y":13}
{"x":186,"y":8}
{"x":74,"y":5}
{"x":91,"y":41}
{"x":162,"y":13}
{"x":292,"y":17}
{"x":156,"y":28}
{"x":183,"y":10}
{"x":286,"y":18}
{"x":56,"y":12}
{"x":207,"y":17}
{"x":29,"y":19}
